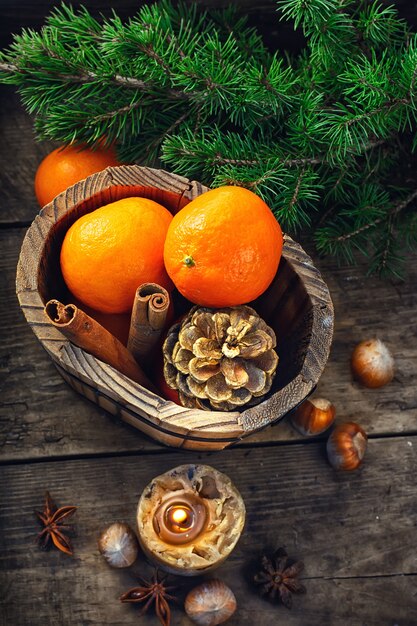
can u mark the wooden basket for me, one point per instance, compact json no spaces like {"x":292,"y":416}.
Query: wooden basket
{"x":297,"y":305}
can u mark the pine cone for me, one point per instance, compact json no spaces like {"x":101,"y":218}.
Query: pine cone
{"x":220,"y":358}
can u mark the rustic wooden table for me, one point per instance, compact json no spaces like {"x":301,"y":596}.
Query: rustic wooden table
{"x":355,"y":532}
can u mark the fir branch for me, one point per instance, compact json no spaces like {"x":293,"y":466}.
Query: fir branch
{"x":379,"y":25}
{"x":87,"y":76}
{"x":314,"y":134}
{"x":111,"y":114}
{"x":403,"y":204}
{"x":297,"y":189}
{"x":328,"y":239}
{"x":308,"y":11}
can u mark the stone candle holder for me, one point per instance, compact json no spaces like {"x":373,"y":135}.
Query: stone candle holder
{"x":210,"y":508}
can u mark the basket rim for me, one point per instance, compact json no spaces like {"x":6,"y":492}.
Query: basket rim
{"x":150,"y":407}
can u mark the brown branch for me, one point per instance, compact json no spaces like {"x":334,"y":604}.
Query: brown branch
{"x":177,"y":48}
{"x":413,"y":79}
{"x":156,"y":142}
{"x":297,"y":189}
{"x":128,"y":81}
{"x":150,"y":52}
{"x":254,"y":184}
{"x":372,"y":87}
{"x":388,"y":105}
{"x":387,"y":244}
{"x":221,"y":160}
{"x":110,"y":114}
{"x":87,"y":76}
{"x":9,"y":68}
{"x":265,"y":82}
{"x":391,"y":214}
{"x":404,"y":203}
{"x":332,"y":207}
{"x":198,"y":120}
{"x":177,"y":122}
{"x":358,"y":231}
{"x":306,"y":161}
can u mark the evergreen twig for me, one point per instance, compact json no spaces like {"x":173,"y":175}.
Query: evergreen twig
{"x":316,"y":135}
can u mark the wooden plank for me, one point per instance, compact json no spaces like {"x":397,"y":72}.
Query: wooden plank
{"x":20,"y":156}
{"x":371,"y":307}
{"x":42,"y":417}
{"x":355,"y":532}
{"x":372,"y":601}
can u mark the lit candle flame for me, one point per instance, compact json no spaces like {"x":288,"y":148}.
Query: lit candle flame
{"x":180,"y":520}
{"x":179,"y":515}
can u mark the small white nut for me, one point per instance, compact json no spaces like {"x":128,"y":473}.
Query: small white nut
{"x":119,"y":545}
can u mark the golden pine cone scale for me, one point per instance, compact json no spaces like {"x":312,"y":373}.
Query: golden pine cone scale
{"x":220,"y":358}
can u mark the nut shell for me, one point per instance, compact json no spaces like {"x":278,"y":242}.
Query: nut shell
{"x":210,"y":603}
{"x":119,"y":545}
{"x":346,"y":446}
{"x":372,"y":363}
{"x":313,"y":416}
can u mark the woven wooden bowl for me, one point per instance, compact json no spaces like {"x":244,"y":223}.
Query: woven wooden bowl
{"x":297,"y":305}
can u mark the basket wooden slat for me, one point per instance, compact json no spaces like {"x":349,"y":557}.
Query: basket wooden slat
{"x":297,"y":305}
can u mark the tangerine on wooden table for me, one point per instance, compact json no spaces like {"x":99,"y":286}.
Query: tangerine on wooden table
{"x":108,"y":253}
{"x":66,"y":166}
{"x":223,"y":248}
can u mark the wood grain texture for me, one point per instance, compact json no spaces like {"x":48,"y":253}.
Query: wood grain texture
{"x":18,"y":201}
{"x":355,"y":532}
{"x":301,"y":312}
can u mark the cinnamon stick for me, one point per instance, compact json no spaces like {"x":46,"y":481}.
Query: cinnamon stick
{"x":149,"y":314}
{"x":86,"y":333}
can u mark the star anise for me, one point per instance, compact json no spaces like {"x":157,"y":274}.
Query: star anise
{"x":152,"y":591}
{"x":53,"y":522}
{"x":279,"y":577}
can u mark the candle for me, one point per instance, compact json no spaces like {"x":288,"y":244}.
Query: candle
{"x":190,"y":519}
{"x":180,"y":520}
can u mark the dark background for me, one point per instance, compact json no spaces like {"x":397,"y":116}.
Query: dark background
{"x":15,"y":14}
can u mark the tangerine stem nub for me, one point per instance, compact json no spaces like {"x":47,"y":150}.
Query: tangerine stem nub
{"x":189,"y":261}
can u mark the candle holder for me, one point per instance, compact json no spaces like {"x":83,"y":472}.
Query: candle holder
{"x":190,"y":519}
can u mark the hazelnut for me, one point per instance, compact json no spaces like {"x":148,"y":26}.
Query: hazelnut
{"x":346,"y":446}
{"x":372,"y":363}
{"x":210,"y":603}
{"x":119,"y":545}
{"x":313,"y":416}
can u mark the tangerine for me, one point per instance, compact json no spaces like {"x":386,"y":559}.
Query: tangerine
{"x":108,"y":253}
{"x":66,"y":166}
{"x":223,"y":248}
{"x":118,"y":324}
